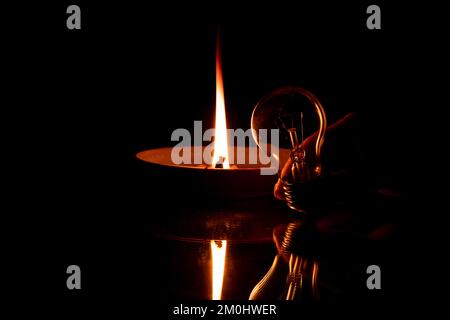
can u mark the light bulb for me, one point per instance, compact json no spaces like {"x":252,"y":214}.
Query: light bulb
{"x":290,"y":109}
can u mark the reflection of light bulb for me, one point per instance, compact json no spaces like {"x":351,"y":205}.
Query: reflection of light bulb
{"x":286,"y":109}
{"x":293,"y":280}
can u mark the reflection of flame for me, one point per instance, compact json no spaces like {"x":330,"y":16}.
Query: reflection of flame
{"x":220,"y":156}
{"x":315,"y":282}
{"x":218,"y":251}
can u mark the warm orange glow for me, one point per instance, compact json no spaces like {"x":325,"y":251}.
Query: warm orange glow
{"x":220,"y":156}
{"x":218,"y":251}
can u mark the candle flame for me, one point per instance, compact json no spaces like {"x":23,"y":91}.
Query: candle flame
{"x":220,"y":156}
{"x":218,"y":251}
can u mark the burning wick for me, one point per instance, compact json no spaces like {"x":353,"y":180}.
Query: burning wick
{"x":219,"y":164}
{"x":218,"y":251}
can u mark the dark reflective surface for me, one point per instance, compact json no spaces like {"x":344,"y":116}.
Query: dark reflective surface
{"x":182,"y":253}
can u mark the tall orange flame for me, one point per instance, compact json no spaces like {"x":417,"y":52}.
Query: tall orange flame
{"x":220,"y":156}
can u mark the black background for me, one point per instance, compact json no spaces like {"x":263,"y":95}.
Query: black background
{"x":83,"y":102}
